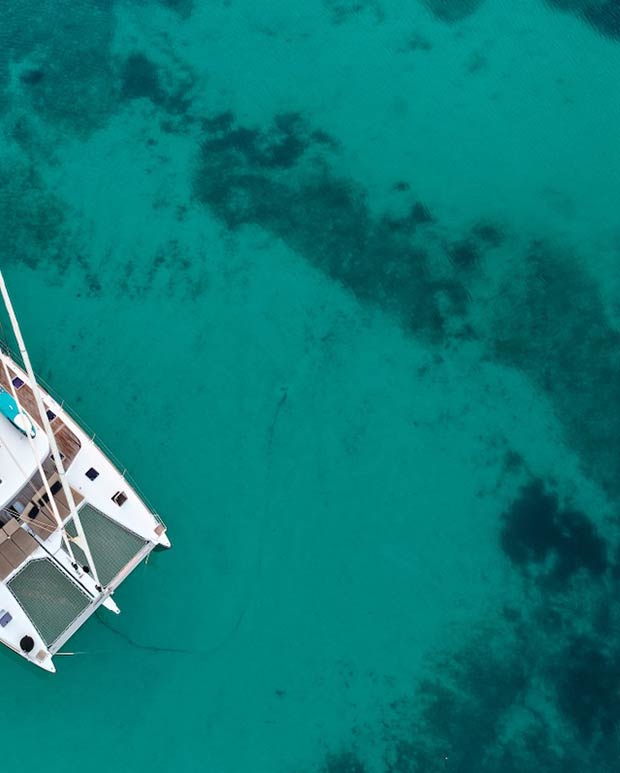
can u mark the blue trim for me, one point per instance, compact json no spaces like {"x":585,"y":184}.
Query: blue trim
{"x":9,"y":409}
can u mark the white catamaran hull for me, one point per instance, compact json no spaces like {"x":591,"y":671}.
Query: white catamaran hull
{"x":72,"y":527}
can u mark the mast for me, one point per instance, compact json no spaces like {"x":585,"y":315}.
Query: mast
{"x":83,"y":542}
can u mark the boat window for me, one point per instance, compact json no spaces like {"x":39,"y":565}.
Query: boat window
{"x":92,"y":473}
{"x":18,"y":382}
{"x":120,"y":498}
{"x":50,"y":415}
{"x":55,"y":487}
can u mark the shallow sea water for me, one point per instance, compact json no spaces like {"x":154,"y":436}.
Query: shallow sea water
{"x":339,"y":283}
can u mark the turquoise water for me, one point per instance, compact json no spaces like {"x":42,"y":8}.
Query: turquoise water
{"x":338,"y":282}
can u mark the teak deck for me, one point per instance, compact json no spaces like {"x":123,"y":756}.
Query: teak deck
{"x":68,"y":443}
{"x":15,"y":547}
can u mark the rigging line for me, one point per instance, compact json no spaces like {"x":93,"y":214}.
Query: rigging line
{"x":261,"y":536}
{"x":78,"y":652}
{"x":147,"y":647}
{"x":176,"y":650}
{"x":3,"y":339}
{"x":40,"y":541}
{"x":77,"y":578}
{"x":29,"y":482}
{"x":76,"y":417}
{"x":237,"y":624}
{"x":48,"y":430}
{"x":271,"y":431}
{"x":272,"y":427}
{"x":51,"y":501}
{"x":44,"y":507}
{"x":52,"y":556}
{"x":30,"y":485}
{"x":83,"y":652}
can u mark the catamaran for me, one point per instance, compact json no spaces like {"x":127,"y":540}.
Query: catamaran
{"x":72,"y":526}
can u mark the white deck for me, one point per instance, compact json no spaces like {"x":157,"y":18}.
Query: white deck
{"x":17,"y":462}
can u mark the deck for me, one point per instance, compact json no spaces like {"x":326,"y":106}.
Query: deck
{"x":56,"y":603}
{"x":38,"y":513}
{"x":31,"y":506}
{"x":68,"y":443}
{"x":15,"y":547}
